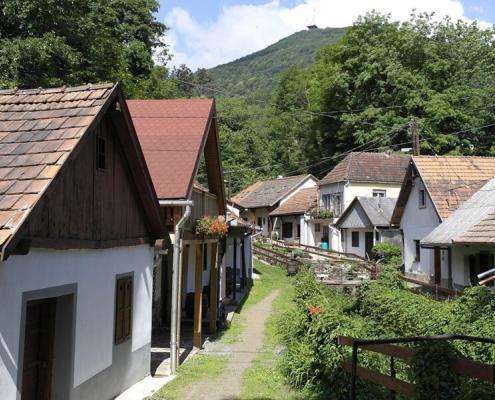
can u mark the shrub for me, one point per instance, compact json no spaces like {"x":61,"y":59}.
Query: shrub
{"x":388,"y":251}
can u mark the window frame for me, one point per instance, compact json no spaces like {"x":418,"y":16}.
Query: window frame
{"x":317,"y":228}
{"x":298,"y":231}
{"x":354,"y":238}
{"x":260,"y":221}
{"x":422,"y":198}
{"x":284,"y":235}
{"x":417,"y":255}
{"x":379,"y":193}
{"x":123,"y":308}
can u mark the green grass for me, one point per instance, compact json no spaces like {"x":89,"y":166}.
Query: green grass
{"x":197,"y":368}
{"x":263,"y":379}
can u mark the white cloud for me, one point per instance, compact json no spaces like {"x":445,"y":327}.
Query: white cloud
{"x":242,"y":29}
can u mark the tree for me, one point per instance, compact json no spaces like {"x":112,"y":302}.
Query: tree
{"x":49,"y":43}
{"x":383,"y":74}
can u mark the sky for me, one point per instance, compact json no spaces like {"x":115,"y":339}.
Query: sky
{"x":206,"y":33}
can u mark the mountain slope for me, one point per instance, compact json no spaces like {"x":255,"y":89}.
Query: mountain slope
{"x":256,"y":75}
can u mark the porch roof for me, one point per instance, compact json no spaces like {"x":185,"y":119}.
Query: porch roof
{"x":472,"y":223}
{"x":367,"y":212}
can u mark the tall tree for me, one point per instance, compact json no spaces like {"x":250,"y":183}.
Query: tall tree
{"x":48,"y":43}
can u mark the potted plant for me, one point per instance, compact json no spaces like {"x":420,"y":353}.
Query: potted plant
{"x":320,"y":213}
{"x":211,"y":226}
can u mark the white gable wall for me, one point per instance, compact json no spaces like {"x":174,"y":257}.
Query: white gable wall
{"x":416,"y":223}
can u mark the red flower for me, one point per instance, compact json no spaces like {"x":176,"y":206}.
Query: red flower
{"x":313,"y":310}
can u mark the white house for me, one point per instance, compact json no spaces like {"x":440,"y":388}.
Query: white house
{"x":257,"y":201}
{"x":78,"y":223}
{"x":365,"y":223}
{"x":435,"y":187}
{"x":468,"y":238}
{"x":291,"y":220}
{"x":359,"y":174}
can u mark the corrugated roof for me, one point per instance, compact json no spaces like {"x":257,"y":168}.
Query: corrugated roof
{"x":451,"y":180}
{"x":472,"y":222}
{"x":299,"y":203}
{"x":268,"y":193}
{"x":369,"y":167}
{"x":378,"y":211}
{"x":172,"y":134}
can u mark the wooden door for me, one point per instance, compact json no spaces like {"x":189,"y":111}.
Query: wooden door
{"x":38,"y":350}
{"x":368,"y":243}
{"x":438,"y":266}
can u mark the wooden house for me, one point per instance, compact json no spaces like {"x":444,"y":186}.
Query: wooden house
{"x":181,"y":147}
{"x":433,"y":189}
{"x":78,"y":222}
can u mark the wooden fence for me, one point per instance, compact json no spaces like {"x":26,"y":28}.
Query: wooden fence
{"x":436,"y":289}
{"x":275,"y":257}
{"x":460,"y":366}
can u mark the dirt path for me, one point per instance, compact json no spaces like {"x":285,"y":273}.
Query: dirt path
{"x":228,"y":385}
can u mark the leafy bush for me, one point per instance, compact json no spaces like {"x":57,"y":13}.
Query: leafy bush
{"x":389,"y":251}
{"x":383,"y":309}
{"x":296,"y":253}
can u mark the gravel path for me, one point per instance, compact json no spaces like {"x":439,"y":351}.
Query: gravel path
{"x":228,"y":385}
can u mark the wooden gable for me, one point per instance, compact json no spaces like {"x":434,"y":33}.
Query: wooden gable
{"x":87,"y":206}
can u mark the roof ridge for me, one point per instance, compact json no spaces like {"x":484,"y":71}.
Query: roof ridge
{"x":57,"y":89}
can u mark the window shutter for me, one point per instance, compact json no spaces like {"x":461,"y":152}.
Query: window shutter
{"x":123,"y":310}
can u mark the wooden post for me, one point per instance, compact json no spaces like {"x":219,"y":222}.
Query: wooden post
{"x":213,"y":288}
{"x":179,"y":302}
{"x":243,"y":263}
{"x":198,"y":296}
{"x":234,"y":270}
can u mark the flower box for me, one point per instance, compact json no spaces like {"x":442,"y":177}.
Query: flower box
{"x":211,"y":227}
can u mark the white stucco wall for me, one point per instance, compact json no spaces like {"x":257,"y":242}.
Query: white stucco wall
{"x":95,"y":273}
{"x":351,"y":190}
{"x":416,"y":223}
{"x":347,"y":245}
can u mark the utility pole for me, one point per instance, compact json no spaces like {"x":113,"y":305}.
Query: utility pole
{"x":415,"y":133}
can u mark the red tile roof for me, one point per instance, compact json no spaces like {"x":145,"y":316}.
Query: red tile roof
{"x":369,"y":167}
{"x":298,"y":204}
{"x":172,"y":134}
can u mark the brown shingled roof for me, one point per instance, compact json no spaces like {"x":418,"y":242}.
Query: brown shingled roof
{"x":449,"y":180}
{"x":298,"y":204}
{"x":39,"y":128}
{"x":268,"y":193}
{"x":369,"y":167}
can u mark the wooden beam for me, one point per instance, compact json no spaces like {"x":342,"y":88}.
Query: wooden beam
{"x":198,"y":296}
{"x":213,"y":288}
{"x":234,"y":270}
{"x":243,"y":263}
{"x":405,"y":388}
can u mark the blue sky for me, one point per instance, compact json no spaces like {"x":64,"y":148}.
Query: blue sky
{"x":205,"y":33}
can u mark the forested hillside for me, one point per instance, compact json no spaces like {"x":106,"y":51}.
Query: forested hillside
{"x":256,"y":75}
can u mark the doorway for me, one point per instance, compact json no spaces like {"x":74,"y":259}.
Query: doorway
{"x":368,"y":243}
{"x":438,"y":266}
{"x":38,"y":349}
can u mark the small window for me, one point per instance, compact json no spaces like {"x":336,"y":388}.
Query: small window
{"x":379,"y":193}
{"x":298,"y":230}
{"x":417,"y":245}
{"x":287,"y":230}
{"x":355,"y":239}
{"x":317,"y":228}
{"x":260,"y":221}
{"x":377,"y":236}
{"x":123,"y":310}
{"x":100,"y":153}
{"x":422,"y":198}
